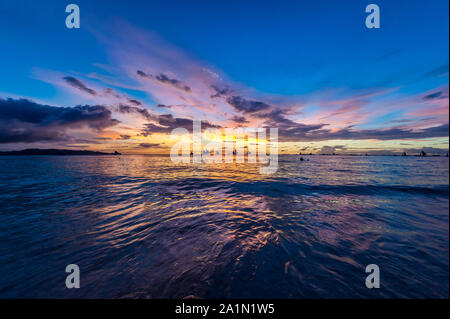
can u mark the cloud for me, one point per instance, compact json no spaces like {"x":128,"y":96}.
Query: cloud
{"x":436,"y":95}
{"x":163,"y":78}
{"x":149,"y":145}
{"x":122,"y":97}
{"x":239,"y":119}
{"x":79,"y":85}
{"x":246,"y":106}
{"x":401,"y":121}
{"x":176,"y":81}
{"x":437,"y":72}
{"x":166,"y":123}
{"x":26,"y":121}
{"x":276,"y":118}
{"x":433,"y":105}
{"x":379,"y":134}
{"x":109,"y":91}
{"x":288,"y":130}
{"x":219,"y":92}
{"x":125,"y":137}
{"x":142,"y":73}
{"x":332,"y":149}
{"x":135,"y":102}
{"x":123,"y":108}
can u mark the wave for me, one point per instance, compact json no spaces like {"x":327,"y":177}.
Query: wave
{"x":274,"y":188}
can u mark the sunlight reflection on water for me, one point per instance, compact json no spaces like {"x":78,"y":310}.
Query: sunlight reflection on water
{"x":140,"y":226}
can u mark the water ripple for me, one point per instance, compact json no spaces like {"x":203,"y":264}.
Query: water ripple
{"x":142,"y":227}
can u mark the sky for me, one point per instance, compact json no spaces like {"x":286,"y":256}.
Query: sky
{"x":135,"y":70}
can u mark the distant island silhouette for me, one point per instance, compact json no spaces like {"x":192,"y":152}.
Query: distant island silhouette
{"x":37,"y":151}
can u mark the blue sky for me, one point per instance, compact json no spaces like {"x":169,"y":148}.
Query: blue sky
{"x":311,"y":54}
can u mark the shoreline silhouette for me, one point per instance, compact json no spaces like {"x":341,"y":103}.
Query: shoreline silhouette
{"x":37,"y":151}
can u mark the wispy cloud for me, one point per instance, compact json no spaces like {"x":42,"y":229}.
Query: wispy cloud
{"x":175,"y":88}
{"x":76,"y":83}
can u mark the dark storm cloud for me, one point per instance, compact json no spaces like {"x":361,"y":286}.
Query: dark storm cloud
{"x":246,"y":106}
{"x":163,"y":78}
{"x":26,"y":121}
{"x":79,"y":85}
{"x":166,"y":123}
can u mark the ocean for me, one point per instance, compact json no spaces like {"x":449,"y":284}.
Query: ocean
{"x":143,"y":227}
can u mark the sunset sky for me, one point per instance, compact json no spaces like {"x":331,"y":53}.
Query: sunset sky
{"x":135,"y":70}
